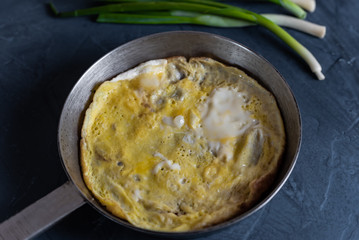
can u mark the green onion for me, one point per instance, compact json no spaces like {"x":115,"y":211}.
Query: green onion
{"x":53,"y":9}
{"x":298,"y":24}
{"x":199,"y":19}
{"x":212,"y":3}
{"x":204,"y":7}
{"x":287,"y":4}
{"x":138,"y":6}
{"x":308,"y":5}
{"x":281,"y":20}
{"x":294,"y":44}
{"x":142,"y":19}
{"x":291,"y":7}
{"x":185,"y":17}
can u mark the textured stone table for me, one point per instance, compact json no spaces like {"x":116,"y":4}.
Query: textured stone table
{"x":41,"y":58}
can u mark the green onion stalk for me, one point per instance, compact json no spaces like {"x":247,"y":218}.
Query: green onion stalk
{"x":107,"y":14}
{"x":149,"y":18}
{"x":185,"y":17}
{"x":308,"y":5}
{"x":297,"y":24}
{"x":289,"y":5}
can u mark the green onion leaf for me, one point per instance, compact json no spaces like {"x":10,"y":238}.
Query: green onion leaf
{"x":211,"y":13}
{"x":291,"y":7}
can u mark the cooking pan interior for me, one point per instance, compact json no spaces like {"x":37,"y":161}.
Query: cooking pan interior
{"x":188,"y":44}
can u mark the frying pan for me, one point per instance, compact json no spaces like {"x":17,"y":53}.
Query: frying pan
{"x":73,"y":194}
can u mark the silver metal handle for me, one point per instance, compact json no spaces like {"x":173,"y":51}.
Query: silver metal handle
{"x":42,"y":214}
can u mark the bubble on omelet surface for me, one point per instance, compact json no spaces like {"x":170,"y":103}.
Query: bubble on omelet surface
{"x":177,"y":145}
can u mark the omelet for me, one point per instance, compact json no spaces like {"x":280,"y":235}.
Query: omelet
{"x":180,"y":145}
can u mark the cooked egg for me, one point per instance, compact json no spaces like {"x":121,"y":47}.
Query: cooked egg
{"x":177,"y":145}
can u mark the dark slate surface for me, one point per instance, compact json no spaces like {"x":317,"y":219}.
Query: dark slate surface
{"x":41,"y":58}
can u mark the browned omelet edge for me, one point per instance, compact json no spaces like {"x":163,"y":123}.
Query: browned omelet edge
{"x":258,"y":187}
{"x":111,"y":206}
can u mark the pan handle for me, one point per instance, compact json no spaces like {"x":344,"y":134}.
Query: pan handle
{"x":43,"y":213}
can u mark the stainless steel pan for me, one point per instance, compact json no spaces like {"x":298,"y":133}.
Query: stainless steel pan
{"x":45,"y":212}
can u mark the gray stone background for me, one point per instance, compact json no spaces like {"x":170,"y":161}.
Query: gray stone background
{"x":42,"y":57}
